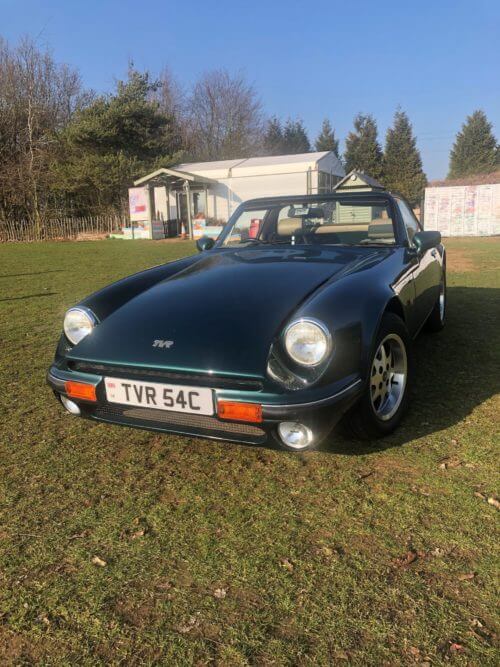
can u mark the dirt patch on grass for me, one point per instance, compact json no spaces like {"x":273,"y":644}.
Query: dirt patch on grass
{"x":12,"y":648}
{"x":459,"y":261}
{"x":16,"y":649}
{"x":136,"y":614}
{"x":390,"y":467}
{"x":471,"y":254}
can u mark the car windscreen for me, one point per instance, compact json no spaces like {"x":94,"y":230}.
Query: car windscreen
{"x":342,"y":221}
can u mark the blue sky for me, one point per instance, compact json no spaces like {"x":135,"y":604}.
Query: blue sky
{"x":438,"y":59}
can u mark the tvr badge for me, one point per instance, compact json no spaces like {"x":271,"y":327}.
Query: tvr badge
{"x":166,"y":344}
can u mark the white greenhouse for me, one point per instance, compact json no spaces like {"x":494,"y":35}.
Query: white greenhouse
{"x":198,"y":198}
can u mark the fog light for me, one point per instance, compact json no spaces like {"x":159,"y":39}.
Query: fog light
{"x":295,"y":435}
{"x":70,"y":405}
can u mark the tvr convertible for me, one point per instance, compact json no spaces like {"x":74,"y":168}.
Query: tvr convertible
{"x":302,"y":312}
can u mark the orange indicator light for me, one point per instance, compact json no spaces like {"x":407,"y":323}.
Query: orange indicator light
{"x":242,"y":412}
{"x":80,"y":390}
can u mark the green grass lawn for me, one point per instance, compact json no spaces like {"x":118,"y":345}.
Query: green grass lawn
{"x":379,"y":554}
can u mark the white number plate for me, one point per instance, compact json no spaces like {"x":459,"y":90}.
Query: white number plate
{"x":177,"y":398}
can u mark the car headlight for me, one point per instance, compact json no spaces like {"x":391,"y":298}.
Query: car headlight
{"x":78,"y":323}
{"x":308,"y":342}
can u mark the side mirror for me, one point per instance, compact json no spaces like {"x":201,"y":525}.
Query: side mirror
{"x":426,"y":240}
{"x":205,"y":243}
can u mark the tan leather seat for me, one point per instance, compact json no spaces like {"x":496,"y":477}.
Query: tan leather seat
{"x":381,"y":228}
{"x":335,"y":229}
{"x":289,"y":226}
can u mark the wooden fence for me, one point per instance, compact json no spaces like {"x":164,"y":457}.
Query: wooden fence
{"x":60,"y":228}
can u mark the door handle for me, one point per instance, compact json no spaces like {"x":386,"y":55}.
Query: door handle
{"x":434,"y":253}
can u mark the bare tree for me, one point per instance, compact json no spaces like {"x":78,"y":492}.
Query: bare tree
{"x":170,"y":95}
{"x":225,"y":117}
{"x":172,"y":101}
{"x":37,"y":98}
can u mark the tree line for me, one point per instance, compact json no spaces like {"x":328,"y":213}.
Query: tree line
{"x":68,"y":151}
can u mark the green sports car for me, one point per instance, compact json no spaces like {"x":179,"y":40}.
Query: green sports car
{"x":302,"y":312}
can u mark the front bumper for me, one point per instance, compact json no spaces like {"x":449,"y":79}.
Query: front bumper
{"x":320,"y":412}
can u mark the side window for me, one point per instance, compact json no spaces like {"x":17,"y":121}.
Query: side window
{"x":411,"y":223}
{"x":248,"y":226}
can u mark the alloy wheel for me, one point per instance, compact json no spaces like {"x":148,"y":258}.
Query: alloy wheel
{"x":388,"y":377}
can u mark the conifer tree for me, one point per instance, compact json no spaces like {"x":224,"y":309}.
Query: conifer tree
{"x":273,"y":137}
{"x":113,"y":140}
{"x":475,"y":150}
{"x":362,"y":149}
{"x":402,"y":162}
{"x":295,"y":139}
{"x":292,"y":138}
{"x":326,"y":140}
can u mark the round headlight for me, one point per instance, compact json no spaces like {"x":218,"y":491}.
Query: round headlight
{"x":78,"y":323}
{"x":307,"y":342}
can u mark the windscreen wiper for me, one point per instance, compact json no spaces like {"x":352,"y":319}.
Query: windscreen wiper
{"x":253,"y":241}
{"x":262,"y":242}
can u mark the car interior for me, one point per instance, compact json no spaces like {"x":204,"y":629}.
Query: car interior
{"x":344,"y":222}
{"x":335,"y":223}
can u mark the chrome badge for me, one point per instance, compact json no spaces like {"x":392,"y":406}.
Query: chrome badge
{"x":166,"y":344}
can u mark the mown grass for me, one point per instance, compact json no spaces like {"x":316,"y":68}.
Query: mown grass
{"x":373,"y":554}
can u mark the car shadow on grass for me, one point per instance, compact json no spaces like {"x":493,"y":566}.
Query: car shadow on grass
{"x":457,"y":370}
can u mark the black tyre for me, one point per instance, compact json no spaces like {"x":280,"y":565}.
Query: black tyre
{"x":437,"y":318}
{"x":386,"y":394}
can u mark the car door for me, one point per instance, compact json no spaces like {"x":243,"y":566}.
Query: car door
{"x":427,"y":267}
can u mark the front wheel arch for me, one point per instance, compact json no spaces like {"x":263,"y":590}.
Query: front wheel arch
{"x":360,"y":418}
{"x":391,"y":305}
{"x":395,"y":306}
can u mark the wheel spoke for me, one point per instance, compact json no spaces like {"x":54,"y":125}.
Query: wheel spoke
{"x":380,"y":357}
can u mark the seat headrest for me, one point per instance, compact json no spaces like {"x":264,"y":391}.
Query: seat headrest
{"x":380,"y":229}
{"x":289,"y":226}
